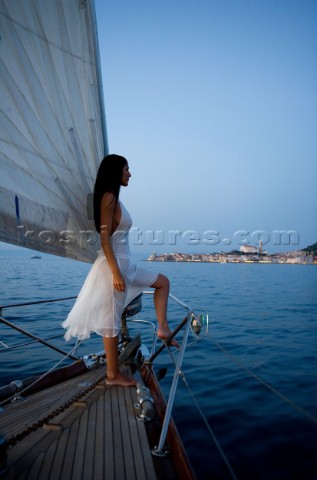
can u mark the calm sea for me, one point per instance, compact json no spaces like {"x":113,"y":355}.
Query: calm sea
{"x":251,"y":382}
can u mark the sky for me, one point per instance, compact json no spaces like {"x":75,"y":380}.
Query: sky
{"x":214,"y":104}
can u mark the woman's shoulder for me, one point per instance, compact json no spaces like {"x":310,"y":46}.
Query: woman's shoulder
{"x":108,"y":200}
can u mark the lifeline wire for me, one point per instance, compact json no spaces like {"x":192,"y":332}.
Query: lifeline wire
{"x":44,"y":374}
{"x":26,"y":344}
{"x":266,"y":384}
{"x":222,"y":453}
{"x":52,"y":368}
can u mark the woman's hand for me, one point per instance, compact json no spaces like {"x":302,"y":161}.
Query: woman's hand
{"x":119,"y":282}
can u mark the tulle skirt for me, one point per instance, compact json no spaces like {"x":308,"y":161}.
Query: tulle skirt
{"x":99,"y":305}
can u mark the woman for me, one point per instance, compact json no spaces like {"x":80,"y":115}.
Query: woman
{"x":114,"y":281}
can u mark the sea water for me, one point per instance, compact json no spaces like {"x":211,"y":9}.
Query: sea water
{"x":248,"y":397}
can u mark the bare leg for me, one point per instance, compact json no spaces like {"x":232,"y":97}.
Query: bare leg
{"x":114,"y":376}
{"x":162,"y":288}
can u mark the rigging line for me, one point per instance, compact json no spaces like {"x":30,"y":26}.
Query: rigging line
{"x":266,"y":384}
{"x":37,"y":302}
{"x":25,"y":344}
{"x":38,"y":339}
{"x":68,"y":355}
{"x":222,"y":453}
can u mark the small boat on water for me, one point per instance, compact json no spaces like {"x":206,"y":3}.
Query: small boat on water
{"x":36,"y":257}
{"x":66,"y":423}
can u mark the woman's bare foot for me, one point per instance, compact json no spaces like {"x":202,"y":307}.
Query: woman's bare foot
{"x":164,"y":334}
{"x":121,"y":380}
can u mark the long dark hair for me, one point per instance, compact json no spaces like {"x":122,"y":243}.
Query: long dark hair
{"x":108,"y":179}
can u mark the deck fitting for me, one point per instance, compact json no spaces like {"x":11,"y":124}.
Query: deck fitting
{"x":53,"y":426}
{"x":80,"y":403}
{"x":159,"y":453}
{"x":100,"y":387}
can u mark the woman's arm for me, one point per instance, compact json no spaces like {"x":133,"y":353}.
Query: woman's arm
{"x":107,"y":213}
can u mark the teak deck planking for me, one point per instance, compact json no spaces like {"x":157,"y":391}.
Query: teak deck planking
{"x":98,"y":437}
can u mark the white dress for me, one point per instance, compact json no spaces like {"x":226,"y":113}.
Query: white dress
{"x":99,"y":305}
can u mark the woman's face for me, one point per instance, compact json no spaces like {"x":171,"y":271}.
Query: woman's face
{"x":125,"y":175}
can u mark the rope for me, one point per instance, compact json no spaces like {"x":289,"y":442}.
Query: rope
{"x":222,"y":453}
{"x":259,"y":380}
{"x":265,"y":384}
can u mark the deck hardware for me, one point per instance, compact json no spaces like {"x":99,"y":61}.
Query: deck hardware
{"x":130,"y":350}
{"x":134,"y":307}
{"x":143,"y":354}
{"x":196,"y":325}
{"x":53,"y":426}
{"x":91,"y":361}
{"x":144,"y":404}
{"x":16,"y":385}
{"x":80,"y":403}
{"x":159,"y":453}
{"x":17,"y":398}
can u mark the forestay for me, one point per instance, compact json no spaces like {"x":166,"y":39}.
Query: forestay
{"x":53,"y":132}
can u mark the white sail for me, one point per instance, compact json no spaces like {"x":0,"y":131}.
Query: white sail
{"x":52,"y":125}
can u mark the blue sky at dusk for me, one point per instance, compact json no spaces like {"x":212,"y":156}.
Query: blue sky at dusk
{"x":214,"y":104}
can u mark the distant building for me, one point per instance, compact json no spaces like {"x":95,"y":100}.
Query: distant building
{"x":249,"y":249}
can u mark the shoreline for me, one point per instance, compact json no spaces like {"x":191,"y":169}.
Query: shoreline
{"x":292,"y":258}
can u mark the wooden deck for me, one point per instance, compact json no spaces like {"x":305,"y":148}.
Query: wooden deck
{"x":96,"y":437}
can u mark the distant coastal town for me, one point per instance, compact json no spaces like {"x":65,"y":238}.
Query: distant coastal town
{"x":246,"y":254}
